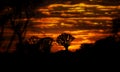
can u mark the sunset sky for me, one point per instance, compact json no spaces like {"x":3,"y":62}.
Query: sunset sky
{"x":86,"y":20}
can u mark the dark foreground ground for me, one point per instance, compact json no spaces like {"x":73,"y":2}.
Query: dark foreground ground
{"x":104,"y":54}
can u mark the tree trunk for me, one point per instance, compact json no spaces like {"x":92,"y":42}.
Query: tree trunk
{"x":11,"y":41}
{"x":1,"y":35}
{"x":66,"y":47}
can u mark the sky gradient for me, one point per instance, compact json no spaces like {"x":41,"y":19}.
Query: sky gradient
{"x":87,"y":21}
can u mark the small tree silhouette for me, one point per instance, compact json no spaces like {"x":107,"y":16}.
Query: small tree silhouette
{"x":115,"y":26}
{"x":45,"y":44}
{"x":29,"y":46}
{"x":33,"y":40}
{"x":65,"y":39}
{"x":35,"y":45}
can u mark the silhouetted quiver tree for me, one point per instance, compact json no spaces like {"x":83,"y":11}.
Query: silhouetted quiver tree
{"x":45,"y":44}
{"x":115,"y":26}
{"x":64,"y":39}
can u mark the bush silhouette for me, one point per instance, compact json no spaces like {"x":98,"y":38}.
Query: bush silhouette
{"x":45,"y":44}
{"x":115,"y":26}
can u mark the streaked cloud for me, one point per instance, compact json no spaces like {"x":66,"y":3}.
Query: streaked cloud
{"x":87,"y":22}
{"x":76,"y":9}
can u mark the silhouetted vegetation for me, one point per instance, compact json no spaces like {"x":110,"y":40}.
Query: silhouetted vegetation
{"x":115,"y":26}
{"x":29,"y":46}
{"x":34,"y":50}
{"x":12,"y":11}
{"x":35,"y":45}
{"x":65,"y":39}
{"x":45,"y":44}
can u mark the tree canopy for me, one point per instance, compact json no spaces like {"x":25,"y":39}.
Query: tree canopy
{"x":64,"y":39}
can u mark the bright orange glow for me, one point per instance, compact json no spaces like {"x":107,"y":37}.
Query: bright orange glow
{"x":46,"y":25}
{"x":75,"y":45}
{"x":56,"y":47}
{"x":47,"y":20}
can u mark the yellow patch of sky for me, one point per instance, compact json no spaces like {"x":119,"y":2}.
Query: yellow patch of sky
{"x":66,"y":25}
{"x":45,"y":25}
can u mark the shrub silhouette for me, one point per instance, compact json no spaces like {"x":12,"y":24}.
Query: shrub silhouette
{"x":35,"y":45}
{"x":45,"y":44}
{"x":29,"y":46}
{"x":115,"y":26}
{"x":64,"y":39}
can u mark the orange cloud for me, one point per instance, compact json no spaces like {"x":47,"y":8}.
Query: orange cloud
{"x":47,"y":20}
